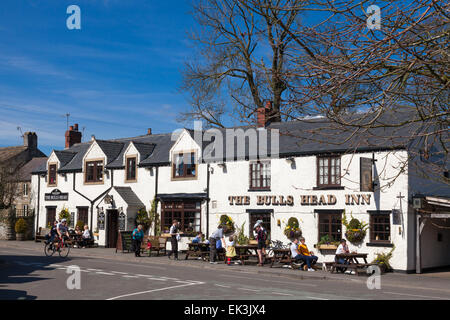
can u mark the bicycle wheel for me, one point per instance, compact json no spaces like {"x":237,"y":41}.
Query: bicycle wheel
{"x":64,"y":250}
{"x":49,"y":249}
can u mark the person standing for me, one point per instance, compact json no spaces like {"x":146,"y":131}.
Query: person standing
{"x":217,"y":235}
{"x":138,"y":236}
{"x":174,"y":234}
{"x":261,"y":237}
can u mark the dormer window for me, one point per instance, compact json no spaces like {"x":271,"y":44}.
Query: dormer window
{"x":130,"y":169}
{"x":94,"y":171}
{"x":184,"y":165}
{"x":52,"y":174}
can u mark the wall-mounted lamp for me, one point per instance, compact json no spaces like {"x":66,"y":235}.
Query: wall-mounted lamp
{"x":222,"y":165}
{"x":290,"y":160}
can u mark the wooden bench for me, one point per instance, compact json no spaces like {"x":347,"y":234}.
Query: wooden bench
{"x":40,"y":235}
{"x":352,"y":263}
{"x":283,"y":257}
{"x":157,"y":244}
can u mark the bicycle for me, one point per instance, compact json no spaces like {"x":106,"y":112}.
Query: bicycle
{"x":60,"y":245}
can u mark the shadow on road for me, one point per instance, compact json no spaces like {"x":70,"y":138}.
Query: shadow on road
{"x":19,"y":269}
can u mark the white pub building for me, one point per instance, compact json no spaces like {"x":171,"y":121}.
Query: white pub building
{"x":105,"y":183}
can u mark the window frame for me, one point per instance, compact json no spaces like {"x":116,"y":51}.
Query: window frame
{"x":185,"y":176}
{"x":329,"y":214}
{"x":261,"y":179}
{"x":95,"y":172}
{"x":25,"y":190}
{"x":55,"y":183}
{"x":179,"y":206}
{"x":127,"y":178}
{"x":329,"y":175}
{"x":373,"y":233}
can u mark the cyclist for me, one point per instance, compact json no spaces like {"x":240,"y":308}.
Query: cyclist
{"x":52,"y":234}
{"x":62,"y":229}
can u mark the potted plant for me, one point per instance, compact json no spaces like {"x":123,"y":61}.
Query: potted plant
{"x":65,"y":214}
{"x":143,"y":219}
{"x":96,"y":233}
{"x":241,"y":238}
{"x":292,"y":229}
{"x":382,"y":260}
{"x":355,"y":229}
{"x":20,"y":228}
{"x":326,"y":243}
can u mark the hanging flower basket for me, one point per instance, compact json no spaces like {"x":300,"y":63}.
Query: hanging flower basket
{"x":355,"y":235}
{"x":356,"y":230}
{"x":292,"y":229}
{"x":228,"y":224}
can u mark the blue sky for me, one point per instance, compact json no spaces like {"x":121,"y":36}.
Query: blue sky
{"x":116,"y":76}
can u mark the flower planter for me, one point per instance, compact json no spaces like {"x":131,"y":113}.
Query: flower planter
{"x":327,"y":247}
{"x":20,"y":236}
{"x":252,"y":242}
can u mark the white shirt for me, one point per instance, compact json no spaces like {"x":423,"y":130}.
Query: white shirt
{"x":86,"y":234}
{"x":294,"y":250}
{"x":341,"y":249}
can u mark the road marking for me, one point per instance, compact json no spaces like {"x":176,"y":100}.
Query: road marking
{"x":170,"y":278}
{"x":249,"y":289}
{"x":129,"y":276}
{"x":118,"y":272}
{"x":316,"y":298}
{"x":106,"y":273}
{"x":55,"y":265}
{"x":282,"y":294}
{"x":95,"y":270}
{"x":157,"y":279}
{"x":144,"y":275}
{"x":155,"y":290}
{"x":220,"y":285}
{"x":414,"y":295}
{"x":259,"y":279}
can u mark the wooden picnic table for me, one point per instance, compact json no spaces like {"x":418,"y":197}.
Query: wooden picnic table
{"x":199,"y":249}
{"x":244,"y":252}
{"x":351,"y":262}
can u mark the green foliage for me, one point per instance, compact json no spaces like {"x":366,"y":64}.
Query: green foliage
{"x":65,"y":214}
{"x":241,"y":237}
{"x":292,"y":229}
{"x":154,"y":219}
{"x":21,"y":226}
{"x":355,"y":229}
{"x":326,"y":240}
{"x":143,"y":218}
{"x":383,"y":258}
{"x":80,"y":224}
{"x":7,"y":216}
{"x":228,"y":223}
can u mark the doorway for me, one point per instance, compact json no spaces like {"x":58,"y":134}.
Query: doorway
{"x":265,"y":216}
{"x":112,"y":228}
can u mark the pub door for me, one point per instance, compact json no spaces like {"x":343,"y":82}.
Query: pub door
{"x":260,"y":215}
{"x":112,"y":228}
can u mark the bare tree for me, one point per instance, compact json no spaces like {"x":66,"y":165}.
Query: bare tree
{"x":241,"y":60}
{"x":9,"y":181}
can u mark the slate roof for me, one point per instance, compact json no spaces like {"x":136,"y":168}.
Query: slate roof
{"x":128,"y":195}
{"x":302,"y":137}
{"x":64,"y":157}
{"x":30,"y":166}
{"x":10,"y":152}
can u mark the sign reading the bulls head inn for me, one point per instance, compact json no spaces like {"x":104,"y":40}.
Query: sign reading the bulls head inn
{"x":310,"y":200}
{"x":56,"y":195}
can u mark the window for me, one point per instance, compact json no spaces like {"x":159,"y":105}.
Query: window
{"x":25,"y":189}
{"x":83,"y":214}
{"x":52,"y":175}
{"x":380,"y":228}
{"x":51,"y":215}
{"x":186,"y":212}
{"x":94,"y":171}
{"x":260,"y":175}
{"x":330,"y":224}
{"x":131,"y":169}
{"x":184,"y":165}
{"x":25,"y":210}
{"x":329,"y":171}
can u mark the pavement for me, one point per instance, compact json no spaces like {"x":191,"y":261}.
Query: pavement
{"x":26,"y":273}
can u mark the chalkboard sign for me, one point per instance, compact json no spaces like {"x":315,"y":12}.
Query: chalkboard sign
{"x":124,"y":241}
{"x":101,"y":221}
{"x":396,"y":217}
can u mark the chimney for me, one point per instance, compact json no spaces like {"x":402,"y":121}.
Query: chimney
{"x":72,"y":136}
{"x":262,"y":114}
{"x":149,"y":131}
{"x":30,"y":140}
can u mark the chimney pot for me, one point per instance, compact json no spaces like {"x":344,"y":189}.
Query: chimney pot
{"x":72,"y":136}
{"x":149,"y":131}
{"x":92,"y":137}
{"x":75,"y":126}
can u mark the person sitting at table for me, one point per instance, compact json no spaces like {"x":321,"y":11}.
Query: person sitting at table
{"x":342,"y":249}
{"x":86,"y":236}
{"x":297,"y":256}
{"x":308,"y":256}
{"x":198,"y":238}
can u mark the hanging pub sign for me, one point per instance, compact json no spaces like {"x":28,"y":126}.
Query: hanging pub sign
{"x":56,"y":195}
{"x":396,"y":217}
{"x":366,"y":183}
{"x":101,"y":221}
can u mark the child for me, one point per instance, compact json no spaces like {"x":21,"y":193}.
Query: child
{"x":231,"y":250}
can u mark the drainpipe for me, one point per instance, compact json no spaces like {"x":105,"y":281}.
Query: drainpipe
{"x":38,"y":205}
{"x":155,"y":197}
{"x":207,"y":201}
